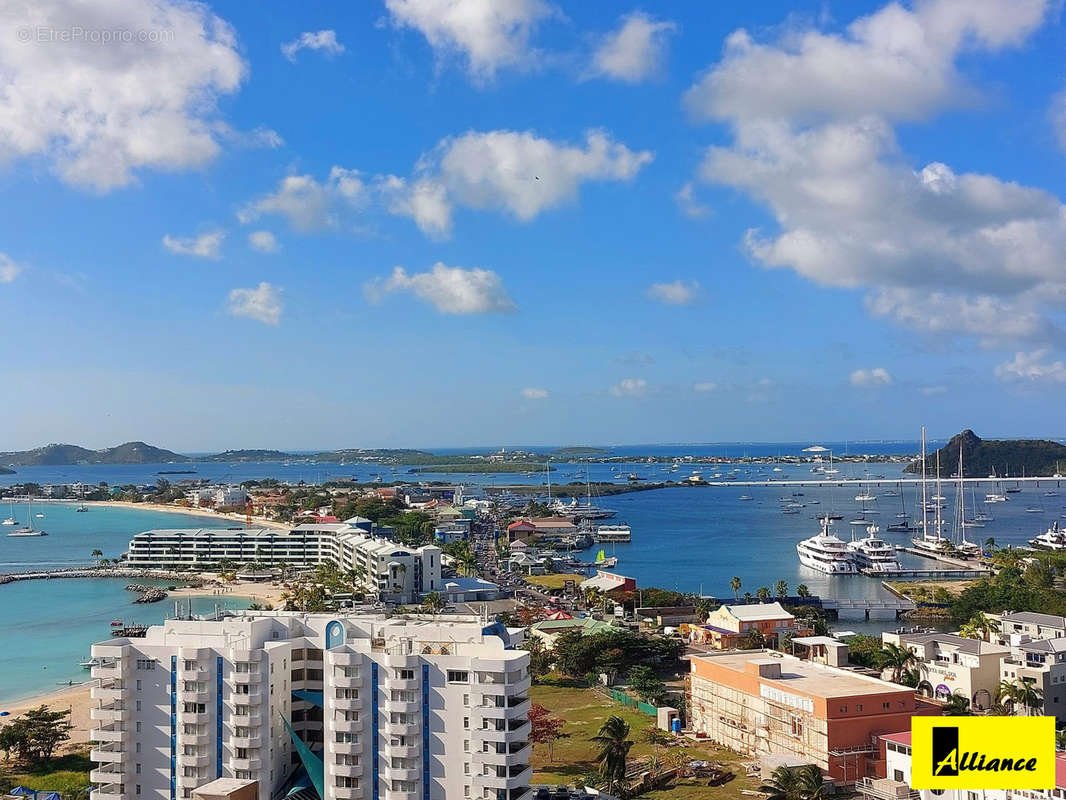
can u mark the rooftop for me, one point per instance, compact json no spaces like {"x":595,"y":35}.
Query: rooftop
{"x":1034,"y":618}
{"x":750,"y":612}
{"x":960,"y":643}
{"x":810,"y":678}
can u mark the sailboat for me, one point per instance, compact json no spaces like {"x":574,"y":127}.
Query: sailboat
{"x":927,"y":542}
{"x":603,"y":561}
{"x":11,"y":520}
{"x":28,"y":529}
{"x":968,"y":548}
{"x":904,"y":524}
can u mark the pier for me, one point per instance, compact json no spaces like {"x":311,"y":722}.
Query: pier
{"x":897,"y":605}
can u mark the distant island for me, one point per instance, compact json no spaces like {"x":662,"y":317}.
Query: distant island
{"x":67,"y":454}
{"x":1004,"y":457}
{"x":6,"y":471}
{"x":579,"y":451}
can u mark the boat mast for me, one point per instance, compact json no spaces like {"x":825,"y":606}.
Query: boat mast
{"x":925,"y":501}
{"x":962,"y":498}
{"x":939,"y":517}
{"x":548,"y":475}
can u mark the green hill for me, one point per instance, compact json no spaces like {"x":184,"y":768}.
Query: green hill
{"x":65,"y":454}
{"x":1013,"y":457}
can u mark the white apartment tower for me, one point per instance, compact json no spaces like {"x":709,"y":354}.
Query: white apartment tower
{"x":349,"y":707}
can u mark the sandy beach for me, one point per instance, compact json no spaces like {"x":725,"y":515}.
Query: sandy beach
{"x":76,"y":698}
{"x":257,"y":522}
{"x":261,"y":592}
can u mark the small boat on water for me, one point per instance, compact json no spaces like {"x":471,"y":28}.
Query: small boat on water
{"x":995,"y":497}
{"x":116,"y":623}
{"x":10,"y":521}
{"x":1034,"y":510}
{"x":82,"y":507}
{"x":745,"y":497}
{"x":89,"y":663}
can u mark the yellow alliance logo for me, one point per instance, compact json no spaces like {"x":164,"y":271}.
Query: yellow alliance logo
{"x":983,"y":752}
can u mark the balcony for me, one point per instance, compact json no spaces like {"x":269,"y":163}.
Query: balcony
{"x":200,"y":696}
{"x":346,"y":682}
{"x":111,"y":732}
{"x":197,"y":760}
{"x":110,"y":791}
{"x":411,"y":727}
{"x":349,"y":725}
{"x":519,"y":710}
{"x":348,"y":792}
{"x":202,"y":738}
{"x":252,"y":718}
{"x":347,"y":748}
{"x":409,"y":773}
{"x":401,"y":794}
{"x":243,"y":741}
{"x":107,"y":774}
{"x":519,"y":777}
{"x":347,"y":770}
{"x":110,"y":712}
{"x":404,"y":684}
{"x":245,"y":763}
{"x":344,"y":658}
{"x":195,"y":717}
{"x":885,"y":789}
{"x":410,"y":749}
{"x":194,"y":675}
{"x":112,"y":669}
{"x":108,"y":754}
{"x":507,"y":759}
{"x":237,"y":678}
{"x":404,"y":706}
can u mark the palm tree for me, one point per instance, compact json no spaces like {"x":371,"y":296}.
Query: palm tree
{"x":792,"y":783}
{"x":956,"y":706}
{"x":990,"y":543}
{"x":763,"y":593}
{"x":433,"y":603}
{"x":614,"y":744}
{"x":781,"y":589}
{"x":898,"y":658}
{"x":1029,"y":696}
{"x":735,"y":584}
{"x":1060,"y":739}
{"x":1006,"y":696}
{"x":748,"y":597}
{"x":97,"y":554}
{"x":803,"y":591}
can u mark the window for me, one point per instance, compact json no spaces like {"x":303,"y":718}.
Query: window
{"x":137,"y":768}
{"x":138,"y":684}
{"x":406,"y":674}
{"x":466,"y":768}
{"x":795,"y":726}
{"x":466,"y":722}
{"x":897,"y":775}
{"x":190,"y":666}
{"x":466,"y":745}
{"x":458,"y":676}
{"x":138,"y":785}
{"x":145,"y":663}
{"x":138,"y":726}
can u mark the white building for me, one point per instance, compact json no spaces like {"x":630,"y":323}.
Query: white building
{"x":219,"y":496}
{"x":951,"y":664}
{"x":365,"y":706}
{"x":395,"y":572}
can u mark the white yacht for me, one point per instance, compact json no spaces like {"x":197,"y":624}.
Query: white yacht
{"x":995,"y":497}
{"x":864,"y":496}
{"x":826,"y":553}
{"x":1051,"y":539}
{"x":874,"y":554}
{"x":11,"y":519}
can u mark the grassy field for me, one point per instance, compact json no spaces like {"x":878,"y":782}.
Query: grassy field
{"x":67,"y":774}
{"x":931,"y":590}
{"x":554,"y":582}
{"x":574,"y":757}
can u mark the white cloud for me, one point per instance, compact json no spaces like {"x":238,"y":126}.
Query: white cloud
{"x":451,"y":290}
{"x":704,"y":386}
{"x":263,"y":241}
{"x":689,"y":205}
{"x":630,"y":387}
{"x":518,"y":173}
{"x":534,"y":393}
{"x":677,"y":293}
{"x":525,"y":174}
{"x":877,"y":376}
{"x":323,"y":41}
{"x":9,"y":270}
{"x":424,"y":200}
{"x":811,"y":116}
{"x":309,"y":204}
{"x":635,"y":51}
{"x":897,"y":63}
{"x":489,"y":34}
{"x":99,"y":113}
{"x":206,"y":245}
{"x":1032,"y":368}
{"x":262,"y":303}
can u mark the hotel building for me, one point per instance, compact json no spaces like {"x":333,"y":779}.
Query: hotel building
{"x":729,"y":625}
{"x":765,"y":703}
{"x":342,"y":707}
{"x":951,"y":664}
{"x":392,"y":571}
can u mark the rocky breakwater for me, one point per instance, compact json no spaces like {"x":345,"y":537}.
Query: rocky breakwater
{"x":147,"y":594}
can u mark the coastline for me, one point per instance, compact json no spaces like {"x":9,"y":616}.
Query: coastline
{"x":191,"y":512}
{"x":77,"y":698}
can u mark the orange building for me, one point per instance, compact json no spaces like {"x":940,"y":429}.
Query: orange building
{"x":766,"y":703}
{"x":730,"y":625}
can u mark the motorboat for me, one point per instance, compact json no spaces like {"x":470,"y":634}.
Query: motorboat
{"x":1054,"y":538}
{"x":873,"y":553}
{"x":826,"y":553}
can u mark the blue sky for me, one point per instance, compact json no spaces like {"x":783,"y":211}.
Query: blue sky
{"x":419,"y":223}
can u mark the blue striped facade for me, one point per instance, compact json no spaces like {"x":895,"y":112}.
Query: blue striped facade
{"x":425,"y":732}
{"x":173,"y":727}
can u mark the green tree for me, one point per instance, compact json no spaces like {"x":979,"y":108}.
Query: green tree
{"x":614,"y":744}
{"x":781,"y":590}
{"x":97,"y":555}
{"x":544,"y":728}
{"x":646,"y":684}
{"x":898,"y":658}
{"x":957,"y":706}
{"x":795,"y":783}
{"x":748,"y":597}
{"x":540,"y":659}
{"x":433,"y":603}
{"x":735,"y":584}
{"x":803,"y":591}
{"x":763,"y":593}
{"x":1028,"y":696}
{"x":754,"y":640}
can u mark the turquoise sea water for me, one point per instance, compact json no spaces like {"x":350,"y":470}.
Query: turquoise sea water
{"x":46,"y":627}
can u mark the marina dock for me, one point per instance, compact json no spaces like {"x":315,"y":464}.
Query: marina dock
{"x":1055,"y":480}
